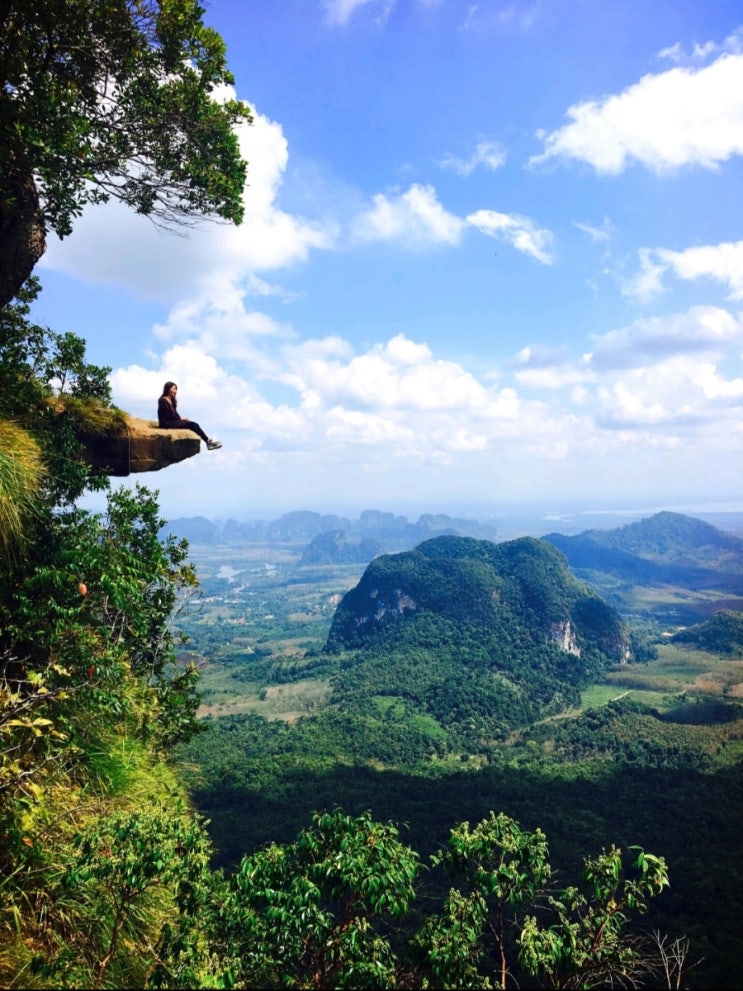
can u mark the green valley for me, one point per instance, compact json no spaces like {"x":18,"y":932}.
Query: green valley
{"x":411,"y":720}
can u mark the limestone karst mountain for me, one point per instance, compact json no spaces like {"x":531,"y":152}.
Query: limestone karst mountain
{"x":505,"y":626}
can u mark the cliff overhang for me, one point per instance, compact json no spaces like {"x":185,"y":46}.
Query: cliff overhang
{"x":138,"y":445}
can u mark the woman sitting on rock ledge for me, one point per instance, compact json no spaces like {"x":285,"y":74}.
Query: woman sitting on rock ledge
{"x":168,"y":417}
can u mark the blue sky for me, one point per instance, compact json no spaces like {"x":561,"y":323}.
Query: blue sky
{"x":492,"y":257}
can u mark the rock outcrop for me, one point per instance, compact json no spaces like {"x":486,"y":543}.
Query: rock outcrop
{"x":139,"y":446}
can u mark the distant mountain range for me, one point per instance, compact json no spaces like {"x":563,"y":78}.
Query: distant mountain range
{"x":332,"y":539}
{"x":664,"y":549}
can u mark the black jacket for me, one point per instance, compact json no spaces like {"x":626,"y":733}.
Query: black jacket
{"x":167,"y":414}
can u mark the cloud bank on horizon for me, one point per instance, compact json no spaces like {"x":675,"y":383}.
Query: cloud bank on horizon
{"x":521,"y":314}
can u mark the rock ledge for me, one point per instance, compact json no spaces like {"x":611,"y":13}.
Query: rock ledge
{"x":140,"y":446}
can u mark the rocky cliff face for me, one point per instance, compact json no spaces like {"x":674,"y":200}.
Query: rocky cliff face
{"x":140,"y":446}
{"x":563,"y":634}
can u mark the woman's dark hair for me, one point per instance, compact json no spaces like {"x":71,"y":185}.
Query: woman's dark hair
{"x":166,"y":389}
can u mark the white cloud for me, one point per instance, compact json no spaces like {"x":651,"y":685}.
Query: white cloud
{"x":299,"y":412}
{"x":395,"y":396}
{"x":487,"y":155}
{"x":519,"y":231}
{"x":112,"y":245}
{"x":244,"y":375}
{"x":648,"y":282}
{"x":596,"y":234}
{"x":540,"y":367}
{"x":470,"y":17}
{"x":521,"y":15}
{"x":721,"y":262}
{"x":339,"y":12}
{"x":702,"y":53}
{"x":415,"y":217}
{"x":399,"y":375}
{"x":656,"y":381}
{"x":222,"y":325}
{"x":702,"y":330}
{"x":683,"y":116}
{"x":681,"y":393}
{"x":629,"y":406}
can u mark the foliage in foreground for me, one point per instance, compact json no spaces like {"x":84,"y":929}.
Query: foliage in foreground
{"x":90,"y":698}
{"x":334,"y":909}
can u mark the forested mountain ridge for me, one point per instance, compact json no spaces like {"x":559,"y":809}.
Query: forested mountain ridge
{"x":666,"y":548}
{"x":482,"y":583}
{"x":502,"y":632}
{"x":721,"y":634}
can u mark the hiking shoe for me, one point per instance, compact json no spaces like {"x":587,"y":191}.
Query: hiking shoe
{"x":213,"y":445}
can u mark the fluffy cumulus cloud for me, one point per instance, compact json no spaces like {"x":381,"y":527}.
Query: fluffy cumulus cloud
{"x":540,"y":367}
{"x":400,"y":376}
{"x":225,"y":325}
{"x":395,"y":401}
{"x":680,"y":395}
{"x":668,"y":384}
{"x":415,"y":217}
{"x":704,"y":330}
{"x":722,"y":263}
{"x":684,"y":116}
{"x":308,"y":421}
{"x":660,"y":381}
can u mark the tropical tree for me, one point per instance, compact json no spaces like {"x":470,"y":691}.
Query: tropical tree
{"x":505,"y":921}
{"x":130,"y":871}
{"x":312,"y":914}
{"x":503,"y":869}
{"x":585,"y":943}
{"x":105,"y":99}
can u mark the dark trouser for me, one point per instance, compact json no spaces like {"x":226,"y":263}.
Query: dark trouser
{"x":189,"y":425}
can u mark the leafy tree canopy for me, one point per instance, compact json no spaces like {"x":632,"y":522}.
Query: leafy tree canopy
{"x":50,"y":398}
{"x":108,"y":99}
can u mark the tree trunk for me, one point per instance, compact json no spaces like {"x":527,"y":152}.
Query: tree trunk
{"x":22,"y":233}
